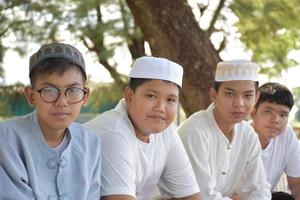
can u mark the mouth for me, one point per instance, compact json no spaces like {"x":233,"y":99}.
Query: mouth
{"x":157,"y":118}
{"x":273,"y":129}
{"x":237,"y":114}
{"x":60,"y":114}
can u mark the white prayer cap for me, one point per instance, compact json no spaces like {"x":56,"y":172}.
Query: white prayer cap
{"x":157,"y":68}
{"x":236,"y":70}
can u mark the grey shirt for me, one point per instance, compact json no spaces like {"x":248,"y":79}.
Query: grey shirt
{"x":29,"y":169}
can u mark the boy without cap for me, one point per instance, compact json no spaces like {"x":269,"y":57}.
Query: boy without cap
{"x":140,"y":148}
{"x":224,"y":150}
{"x":281,"y":149}
{"x":46,"y":155}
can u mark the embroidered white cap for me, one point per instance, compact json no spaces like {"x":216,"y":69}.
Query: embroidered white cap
{"x":236,"y":70}
{"x":157,"y":68}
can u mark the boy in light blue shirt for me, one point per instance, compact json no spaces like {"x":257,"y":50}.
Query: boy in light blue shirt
{"x":46,"y":155}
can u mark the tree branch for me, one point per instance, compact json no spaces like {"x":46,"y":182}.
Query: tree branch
{"x":215,"y":17}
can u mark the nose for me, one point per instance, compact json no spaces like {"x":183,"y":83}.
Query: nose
{"x":159,"y":105}
{"x":62,"y":99}
{"x":275,"y":118}
{"x":238,"y":101}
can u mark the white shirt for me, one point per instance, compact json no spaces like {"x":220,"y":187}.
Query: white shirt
{"x":222,"y":167}
{"x":282,"y":155}
{"x":131,"y":167}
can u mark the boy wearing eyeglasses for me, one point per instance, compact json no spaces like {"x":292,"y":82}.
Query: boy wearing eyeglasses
{"x":46,"y":155}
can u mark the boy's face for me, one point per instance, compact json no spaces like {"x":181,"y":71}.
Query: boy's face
{"x":152,"y":107}
{"x":234,"y":100}
{"x":270,"y":119}
{"x":56,"y":116}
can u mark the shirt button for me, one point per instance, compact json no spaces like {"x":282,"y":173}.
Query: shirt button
{"x":62,"y":162}
{"x":52,"y":163}
{"x":63,"y":197}
{"x":51,"y":197}
{"x":223,"y":173}
{"x":228,"y":147}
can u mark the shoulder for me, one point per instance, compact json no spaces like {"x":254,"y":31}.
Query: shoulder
{"x":110,"y":121}
{"x":83,"y":135}
{"x":246,"y":128}
{"x":197,"y":125}
{"x":246,"y":132}
{"x":16,"y":126}
{"x":196,"y":120}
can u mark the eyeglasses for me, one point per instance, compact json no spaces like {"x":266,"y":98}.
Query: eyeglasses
{"x":72,"y":94}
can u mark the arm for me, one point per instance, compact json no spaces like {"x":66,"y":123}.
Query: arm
{"x":197,"y":148}
{"x":94,"y":190}
{"x":292,"y":169}
{"x":14,"y":182}
{"x":118,"y":171}
{"x":255,"y":185}
{"x":196,"y":196}
{"x":178,"y":179}
{"x":118,"y":197}
{"x":294,"y":185}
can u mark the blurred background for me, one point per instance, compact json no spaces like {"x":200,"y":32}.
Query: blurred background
{"x":111,"y":34}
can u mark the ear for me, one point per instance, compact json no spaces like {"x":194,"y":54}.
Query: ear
{"x":128,"y":93}
{"x":28,"y":92}
{"x":86,"y":96}
{"x":257,"y":96}
{"x":213,"y":94}
{"x":253,"y":112}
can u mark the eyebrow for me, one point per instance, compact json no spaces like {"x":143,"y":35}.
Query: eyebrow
{"x":281,"y":111}
{"x":230,"y":89}
{"x":170,"y":94}
{"x":69,"y":85}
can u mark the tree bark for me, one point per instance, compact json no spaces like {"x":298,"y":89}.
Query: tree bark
{"x":170,"y":28}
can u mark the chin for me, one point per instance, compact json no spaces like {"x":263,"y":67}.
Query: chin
{"x":158,"y":129}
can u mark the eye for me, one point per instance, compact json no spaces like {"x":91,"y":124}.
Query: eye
{"x":230,"y":94}
{"x":73,"y":90}
{"x":249,"y":96}
{"x":151,"y":96}
{"x":49,"y":90}
{"x":284,"y":115}
{"x":173,"y":100}
{"x":268,"y":111}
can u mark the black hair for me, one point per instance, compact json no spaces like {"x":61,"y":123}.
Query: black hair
{"x":51,"y":65}
{"x":134,"y":83}
{"x":275,"y":93}
{"x":217,"y":85}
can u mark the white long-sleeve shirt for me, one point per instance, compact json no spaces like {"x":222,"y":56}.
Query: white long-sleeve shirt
{"x":282,"y":155}
{"x":223,"y":167}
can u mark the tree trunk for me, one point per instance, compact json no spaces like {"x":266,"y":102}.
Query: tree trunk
{"x":172,"y":32}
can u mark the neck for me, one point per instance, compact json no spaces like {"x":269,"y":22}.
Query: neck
{"x":226,"y":128}
{"x":263,"y":141}
{"x":54,"y":139}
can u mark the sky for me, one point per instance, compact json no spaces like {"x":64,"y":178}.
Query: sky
{"x":16,"y":67}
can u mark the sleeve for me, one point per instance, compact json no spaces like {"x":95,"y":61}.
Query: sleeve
{"x":196,"y":146}
{"x":118,"y":170}
{"x":178,"y":179}
{"x":254,"y":182}
{"x":14,"y":182}
{"x":94,"y":191}
{"x":293,"y":154}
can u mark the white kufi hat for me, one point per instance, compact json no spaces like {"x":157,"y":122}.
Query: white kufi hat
{"x":236,"y":70}
{"x":157,"y":68}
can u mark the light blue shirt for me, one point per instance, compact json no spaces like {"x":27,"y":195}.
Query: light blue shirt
{"x":29,"y":169}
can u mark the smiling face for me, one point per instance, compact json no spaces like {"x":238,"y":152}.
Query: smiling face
{"x":270,"y":119}
{"x":233,"y":101}
{"x":152,"y":107}
{"x":57,"y":116}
